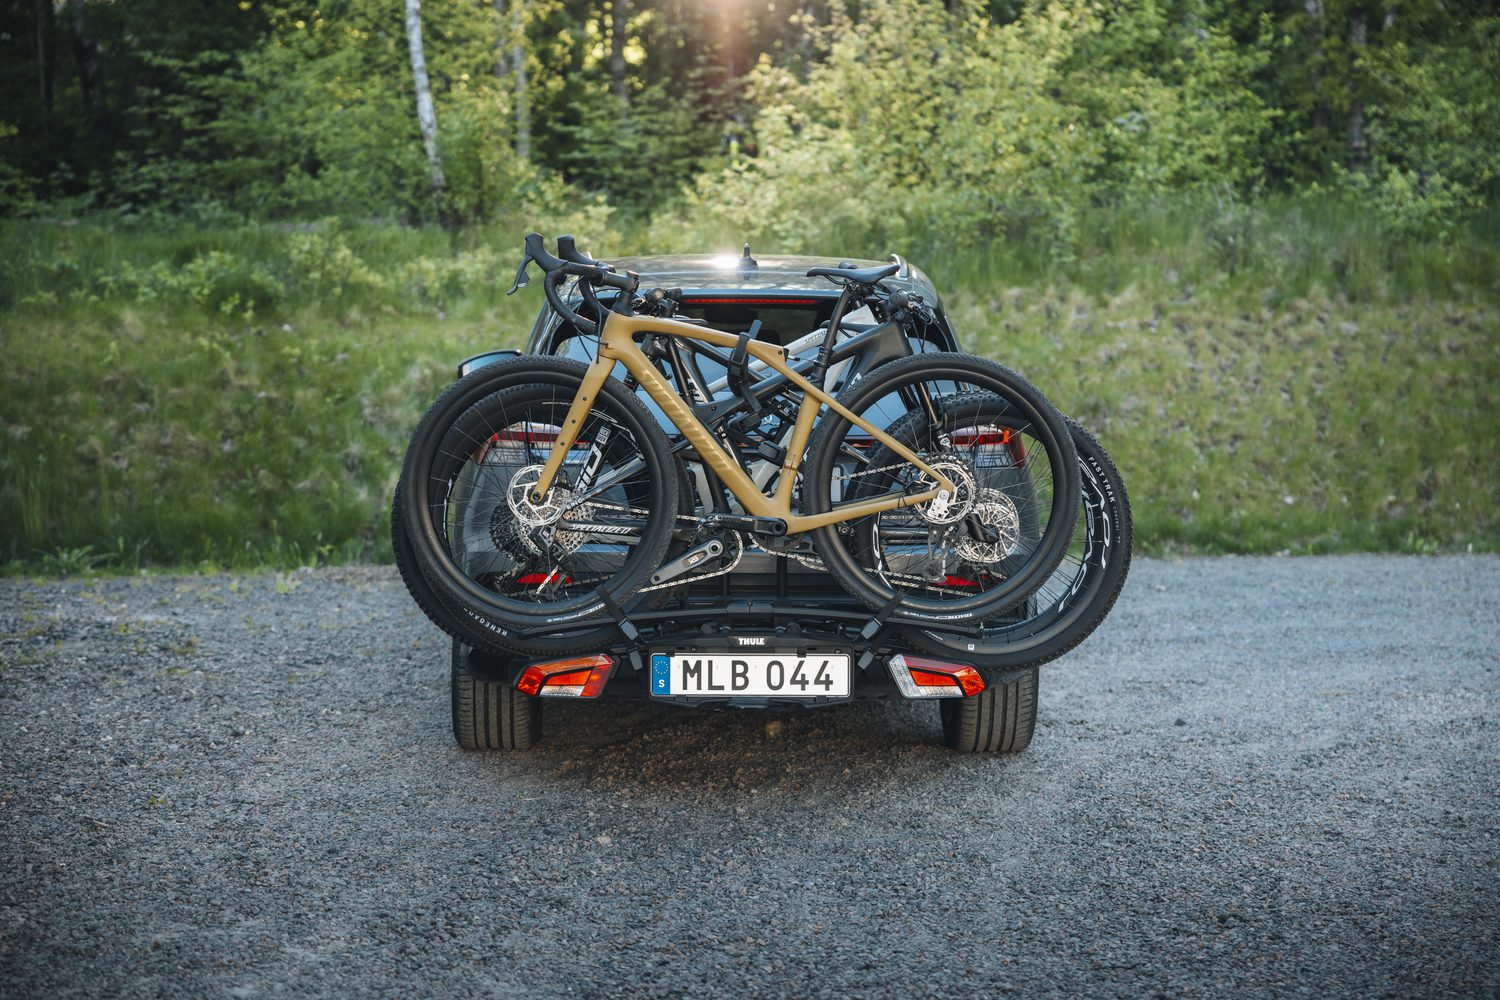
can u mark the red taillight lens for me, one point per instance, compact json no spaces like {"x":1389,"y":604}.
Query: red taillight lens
{"x":1004,"y":435}
{"x":579,"y":677}
{"x":536,"y":579}
{"x":919,"y":677}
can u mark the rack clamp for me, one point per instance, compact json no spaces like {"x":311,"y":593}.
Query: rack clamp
{"x":738,"y":370}
{"x":874,"y":626}
{"x":627,"y":627}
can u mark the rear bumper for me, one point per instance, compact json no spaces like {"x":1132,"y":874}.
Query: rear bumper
{"x":715,"y":625}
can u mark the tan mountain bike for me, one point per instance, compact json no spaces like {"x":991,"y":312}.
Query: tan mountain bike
{"x":541,"y":494}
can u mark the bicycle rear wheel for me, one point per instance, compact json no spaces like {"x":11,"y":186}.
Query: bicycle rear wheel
{"x":504,"y":563}
{"x":1007,"y":452}
{"x":1076,"y":597}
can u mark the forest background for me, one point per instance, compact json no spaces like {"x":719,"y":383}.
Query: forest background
{"x":1251,"y":243}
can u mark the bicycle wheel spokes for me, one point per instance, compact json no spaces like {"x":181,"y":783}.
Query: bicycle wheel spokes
{"x":994,"y":520}
{"x":584,"y":531}
{"x":1002,"y":529}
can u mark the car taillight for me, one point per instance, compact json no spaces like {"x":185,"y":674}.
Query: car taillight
{"x":537,"y":579}
{"x":919,"y":677}
{"x":578,"y":677}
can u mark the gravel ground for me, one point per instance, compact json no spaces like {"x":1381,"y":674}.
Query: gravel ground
{"x":1269,"y":776}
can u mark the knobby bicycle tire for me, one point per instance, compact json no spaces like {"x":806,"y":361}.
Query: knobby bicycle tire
{"x":441,"y":449}
{"x":1027,"y":407}
{"x":1083,"y":597}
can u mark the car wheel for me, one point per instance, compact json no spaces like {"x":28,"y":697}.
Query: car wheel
{"x":489,"y":715}
{"x":999,"y":719}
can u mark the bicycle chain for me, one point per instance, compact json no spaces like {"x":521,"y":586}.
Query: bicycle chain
{"x":807,"y":561}
{"x":738,"y":555}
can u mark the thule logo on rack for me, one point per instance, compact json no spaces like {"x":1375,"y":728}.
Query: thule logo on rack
{"x":751,"y":640}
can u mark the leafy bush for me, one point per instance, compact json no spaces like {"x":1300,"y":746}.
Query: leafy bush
{"x":1229,"y":353}
{"x":921,"y":127}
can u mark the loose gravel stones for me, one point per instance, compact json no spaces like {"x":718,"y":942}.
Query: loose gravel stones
{"x":1270,"y":776}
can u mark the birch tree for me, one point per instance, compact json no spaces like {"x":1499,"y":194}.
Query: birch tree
{"x":426,"y":117}
{"x":619,"y":17}
{"x":518,"y":65}
{"x":510,"y":57}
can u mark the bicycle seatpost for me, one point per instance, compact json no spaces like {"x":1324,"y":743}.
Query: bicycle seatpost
{"x":825,"y":353}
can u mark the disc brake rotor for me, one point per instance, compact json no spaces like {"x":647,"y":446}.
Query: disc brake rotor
{"x":518,"y":526}
{"x":949,"y":509}
{"x":998,"y":514}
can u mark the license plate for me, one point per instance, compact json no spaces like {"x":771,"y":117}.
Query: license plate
{"x":751,"y":675}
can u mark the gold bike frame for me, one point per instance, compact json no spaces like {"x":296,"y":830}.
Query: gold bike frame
{"x":617,"y":344}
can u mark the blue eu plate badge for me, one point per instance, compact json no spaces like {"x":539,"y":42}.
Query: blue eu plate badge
{"x":661,"y":673}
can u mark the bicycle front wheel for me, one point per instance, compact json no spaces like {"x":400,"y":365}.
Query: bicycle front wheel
{"x":968,"y":556}
{"x":504,"y":560}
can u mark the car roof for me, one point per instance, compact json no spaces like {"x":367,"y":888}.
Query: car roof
{"x":730,"y":273}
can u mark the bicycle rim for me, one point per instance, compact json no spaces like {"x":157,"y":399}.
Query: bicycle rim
{"x":1007,"y":523}
{"x":602,"y":527}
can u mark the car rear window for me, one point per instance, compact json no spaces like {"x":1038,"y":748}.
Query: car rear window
{"x":783,"y":319}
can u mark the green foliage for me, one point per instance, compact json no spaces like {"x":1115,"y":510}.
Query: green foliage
{"x":989,"y":119}
{"x":1255,"y":243}
{"x":17,"y":190}
{"x":150,"y":413}
{"x":639,"y":155}
{"x":921,"y":126}
{"x":1229,"y":354}
{"x":1314,"y":399}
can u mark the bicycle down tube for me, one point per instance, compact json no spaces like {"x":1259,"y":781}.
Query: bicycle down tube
{"x":617,"y":344}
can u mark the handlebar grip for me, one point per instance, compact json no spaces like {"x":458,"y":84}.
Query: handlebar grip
{"x":537,"y":251}
{"x":568,"y":250}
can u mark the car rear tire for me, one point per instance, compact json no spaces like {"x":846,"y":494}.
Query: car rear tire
{"x":489,"y":715}
{"x":999,"y":719}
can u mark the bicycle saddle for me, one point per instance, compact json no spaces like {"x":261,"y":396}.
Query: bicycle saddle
{"x":862,"y":276}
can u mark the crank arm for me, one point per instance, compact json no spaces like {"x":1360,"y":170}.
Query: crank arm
{"x":688,"y":560}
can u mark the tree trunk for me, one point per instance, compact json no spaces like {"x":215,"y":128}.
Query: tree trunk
{"x":502,"y":41}
{"x":619,"y":12}
{"x":518,"y":62}
{"x":1359,"y":153}
{"x":1320,"y":115}
{"x":730,"y":70}
{"x":426,"y":117}
{"x":90,"y":68}
{"x":44,"y":67}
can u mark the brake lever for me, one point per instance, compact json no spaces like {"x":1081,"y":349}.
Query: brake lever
{"x":521,"y":276}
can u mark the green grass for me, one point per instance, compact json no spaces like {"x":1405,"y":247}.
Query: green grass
{"x":242,"y":396}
